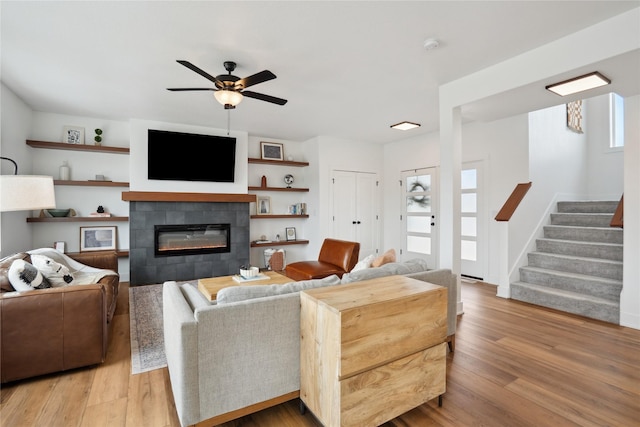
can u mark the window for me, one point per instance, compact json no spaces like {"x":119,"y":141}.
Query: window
{"x":616,"y":125}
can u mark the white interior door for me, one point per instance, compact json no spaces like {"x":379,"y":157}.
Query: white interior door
{"x":419,"y":215}
{"x":355,"y":217}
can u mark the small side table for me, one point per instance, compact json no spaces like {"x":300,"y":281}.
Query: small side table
{"x":372,"y":350}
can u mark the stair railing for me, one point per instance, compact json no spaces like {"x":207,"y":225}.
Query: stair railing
{"x":503,"y":217}
{"x":618,"y":216}
{"x":513,"y":201}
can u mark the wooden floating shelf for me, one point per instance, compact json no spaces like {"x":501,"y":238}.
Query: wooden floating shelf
{"x":91,"y":183}
{"x":302,"y":190}
{"x":278,"y":162}
{"x":278,"y":216}
{"x":280,"y":243}
{"x":77,"y":147}
{"x":80,"y":219}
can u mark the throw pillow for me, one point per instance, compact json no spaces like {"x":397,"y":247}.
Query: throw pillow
{"x":57,"y":274}
{"x":363,"y":264}
{"x":5,"y":264}
{"x":25,"y":277}
{"x":385,"y":258}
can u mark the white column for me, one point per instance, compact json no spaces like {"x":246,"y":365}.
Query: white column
{"x":450,"y":169}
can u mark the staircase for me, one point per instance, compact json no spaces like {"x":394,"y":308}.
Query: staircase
{"x":577,"y":267}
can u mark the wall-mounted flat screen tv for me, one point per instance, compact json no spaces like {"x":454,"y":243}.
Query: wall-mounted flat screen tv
{"x":179,"y":156}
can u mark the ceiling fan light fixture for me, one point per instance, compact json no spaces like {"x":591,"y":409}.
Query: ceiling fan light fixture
{"x":405,"y":125}
{"x":228,"y":97}
{"x":579,"y":84}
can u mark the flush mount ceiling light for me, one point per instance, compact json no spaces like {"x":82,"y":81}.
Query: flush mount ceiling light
{"x":405,"y":125}
{"x":579,"y":84}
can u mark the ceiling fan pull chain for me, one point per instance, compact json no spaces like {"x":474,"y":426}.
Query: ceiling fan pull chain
{"x":228,"y":121}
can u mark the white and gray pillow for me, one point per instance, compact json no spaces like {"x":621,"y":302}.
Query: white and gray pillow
{"x":23,"y":276}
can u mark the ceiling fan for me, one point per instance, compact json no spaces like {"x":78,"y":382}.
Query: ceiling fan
{"x":230,"y":89}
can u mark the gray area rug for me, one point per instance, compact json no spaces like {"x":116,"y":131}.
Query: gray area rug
{"x":145,"y":320}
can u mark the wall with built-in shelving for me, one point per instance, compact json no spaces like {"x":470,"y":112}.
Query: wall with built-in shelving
{"x":80,"y":194}
{"x":281,"y":198}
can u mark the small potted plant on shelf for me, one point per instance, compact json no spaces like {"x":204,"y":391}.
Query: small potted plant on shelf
{"x":98,"y":137}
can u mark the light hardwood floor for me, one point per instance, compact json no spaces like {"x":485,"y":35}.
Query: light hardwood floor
{"x":514,"y":365}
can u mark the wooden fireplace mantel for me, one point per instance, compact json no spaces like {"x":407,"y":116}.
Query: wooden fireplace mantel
{"x":161,"y":196}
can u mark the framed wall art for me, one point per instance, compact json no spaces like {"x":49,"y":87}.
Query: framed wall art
{"x":271,"y":151}
{"x":73,"y":135}
{"x":291,"y":233}
{"x":574,"y":116}
{"x":98,"y":238}
{"x":263,"y":205}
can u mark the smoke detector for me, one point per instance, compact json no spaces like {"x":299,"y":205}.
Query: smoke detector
{"x":430,"y":44}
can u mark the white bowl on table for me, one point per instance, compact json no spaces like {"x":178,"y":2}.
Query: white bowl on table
{"x":250,"y":272}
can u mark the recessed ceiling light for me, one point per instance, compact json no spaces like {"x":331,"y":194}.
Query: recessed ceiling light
{"x":430,"y":44}
{"x":405,"y":125}
{"x":579,"y":84}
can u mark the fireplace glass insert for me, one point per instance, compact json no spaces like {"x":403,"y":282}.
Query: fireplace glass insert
{"x":192,"y":239}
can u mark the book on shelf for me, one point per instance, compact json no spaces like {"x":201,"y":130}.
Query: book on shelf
{"x":103,"y":214}
{"x":298,"y":209}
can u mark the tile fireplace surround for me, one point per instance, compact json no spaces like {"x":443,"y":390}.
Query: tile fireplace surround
{"x":147,"y":209}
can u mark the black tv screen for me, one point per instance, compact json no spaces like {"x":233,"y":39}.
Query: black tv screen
{"x":181,"y":156}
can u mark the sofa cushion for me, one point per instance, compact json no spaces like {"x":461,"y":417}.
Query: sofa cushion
{"x":5,"y":264}
{"x":241,"y":293}
{"x":25,"y":277}
{"x":364,"y":263}
{"x":390,"y":269}
{"x":57,"y":274}
{"x":385,"y":258}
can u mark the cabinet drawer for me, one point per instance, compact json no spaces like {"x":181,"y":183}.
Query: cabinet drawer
{"x":374,"y":397}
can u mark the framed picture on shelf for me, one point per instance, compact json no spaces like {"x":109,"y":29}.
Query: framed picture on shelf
{"x":98,"y":238}
{"x":291,"y":233}
{"x":263,"y":205}
{"x":73,"y":135}
{"x":271,"y":150}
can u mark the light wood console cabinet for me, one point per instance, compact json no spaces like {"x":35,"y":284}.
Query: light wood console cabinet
{"x":372,"y":350}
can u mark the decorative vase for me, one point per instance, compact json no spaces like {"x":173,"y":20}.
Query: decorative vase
{"x":65,"y":171}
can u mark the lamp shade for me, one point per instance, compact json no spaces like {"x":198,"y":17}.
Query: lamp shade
{"x":228,"y":97}
{"x":26,"y":192}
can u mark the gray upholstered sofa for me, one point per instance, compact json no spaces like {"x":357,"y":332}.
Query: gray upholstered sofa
{"x":241,"y":354}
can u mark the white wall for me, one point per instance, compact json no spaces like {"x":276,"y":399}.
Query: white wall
{"x":84,"y":166}
{"x":15,"y":234}
{"x":502,"y":147}
{"x":279,"y":200}
{"x":334,"y":153}
{"x":608,"y":164}
{"x":630,"y":297}
{"x":412,"y":153}
{"x":138,"y":159}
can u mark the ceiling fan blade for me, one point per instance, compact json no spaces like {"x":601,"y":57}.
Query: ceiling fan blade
{"x":188,"y":88}
{"x":254,"y":79}
{"x":192,"y":67}
{"x":263,"y":97}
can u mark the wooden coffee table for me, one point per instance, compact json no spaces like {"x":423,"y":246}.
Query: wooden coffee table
{"x":210,"y":286}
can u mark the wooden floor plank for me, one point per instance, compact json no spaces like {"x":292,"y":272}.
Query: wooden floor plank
{"x":515,"y":365}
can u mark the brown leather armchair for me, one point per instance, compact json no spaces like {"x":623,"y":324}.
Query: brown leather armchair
{"x":55,"y":329}
{"x":336,"y":257}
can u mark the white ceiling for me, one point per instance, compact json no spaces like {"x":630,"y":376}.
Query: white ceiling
{"x":348,"y":69}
